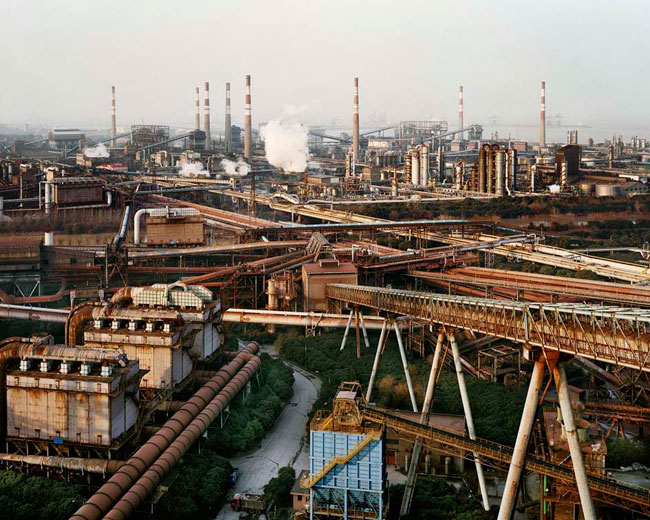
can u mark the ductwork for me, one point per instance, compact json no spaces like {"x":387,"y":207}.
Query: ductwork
{"x":145,"y":457}
{"x":52,"y":352}
{"x":146,"y":485}
{"x":75,"y":322}
{"x":101,"y":466}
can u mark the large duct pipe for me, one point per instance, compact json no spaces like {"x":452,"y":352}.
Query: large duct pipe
{"x":142,"y":489}
{"x":542,"y":117}
{"x":248,"y":122}
{"x":101,"y":466}
{"x":228,"y":129}
{"x":143,"y":459}
{"x":206,"y":116}
{"x":113,"y":123}
{"x":197,"y":110}
{"x":460,"y":112}
{"x":355,"y":121}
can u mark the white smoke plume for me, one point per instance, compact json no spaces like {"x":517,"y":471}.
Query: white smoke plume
{"x":285,"y":140}
{"x":239,"y":168}
{"x":193,"y":169}
{"x":97,"y":151}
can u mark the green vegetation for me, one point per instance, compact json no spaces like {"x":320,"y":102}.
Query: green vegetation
{"x":278,"y":492}
{"x":321,"y":354}
{"x":36,"y":498}
{"x":624,"y":452}
{"x":434,"y":498}
{"x":252,"y":417}
{"x":25,"y":328}
{"x":199,"y":490}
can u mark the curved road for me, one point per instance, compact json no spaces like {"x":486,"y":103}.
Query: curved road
{"x":284,"y":444}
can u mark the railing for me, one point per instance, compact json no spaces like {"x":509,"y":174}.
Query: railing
{"x":615,"y":335}
{"x":311,"y":480}
{"x":499,"y":456}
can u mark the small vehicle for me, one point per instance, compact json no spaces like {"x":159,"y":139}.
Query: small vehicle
{"x":233,"y":477}
{"x":248,"y":502}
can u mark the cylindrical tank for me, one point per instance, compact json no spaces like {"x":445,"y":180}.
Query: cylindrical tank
{"x":48,"y":238}
{"x":394,"y":188}
{"x":459,"y":175}
{"x":415,"y":167}
{"x":500,"y":172}
{"x":424,"y":165}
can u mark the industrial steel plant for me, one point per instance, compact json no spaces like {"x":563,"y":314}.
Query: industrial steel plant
{"x":461,"y":314}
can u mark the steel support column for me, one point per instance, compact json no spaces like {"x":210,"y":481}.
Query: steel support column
{"x":407,"y":375}
{"x":375,"y":366}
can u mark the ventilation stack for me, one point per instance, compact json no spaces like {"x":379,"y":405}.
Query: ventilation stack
{"x":542,"y":117}
{"x":424,"y":165}
{"x":460,"y":112}
{"x":247,"y":122}
{"x":355,"y":121}
{"x":197,"y":111}
{"x":113,"y":123}
{"x":228,"y":128}
{"x":206,"y":116}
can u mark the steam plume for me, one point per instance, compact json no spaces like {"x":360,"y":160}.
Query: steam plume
{"x":239,"y":168}
{"x":97,"y":151}
{"x":285,"y":140}
{"x":193,"y":169}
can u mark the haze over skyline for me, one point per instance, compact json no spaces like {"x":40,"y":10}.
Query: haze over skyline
{"x":61,"y":58}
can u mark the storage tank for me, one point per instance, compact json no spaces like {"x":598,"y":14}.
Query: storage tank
{"x":415,"y":167}
{"x":608,"y":190}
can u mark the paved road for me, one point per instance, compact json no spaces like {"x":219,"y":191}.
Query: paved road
{"x":282,"y":446}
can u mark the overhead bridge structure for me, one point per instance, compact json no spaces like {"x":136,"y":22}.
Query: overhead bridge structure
{"x":615,"y":335}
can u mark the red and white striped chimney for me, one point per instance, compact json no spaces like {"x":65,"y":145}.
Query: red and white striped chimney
{"x":197,"y":111}
{"x":113,"y":123}
{"x":206,"y":116}
{"x":542,"y":117}
{"x":460,"y":112}
{"x":228,"y":128}
{"x":355,"y":121}
{"x":247,"y":121}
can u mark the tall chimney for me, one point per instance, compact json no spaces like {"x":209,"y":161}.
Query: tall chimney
{"x":247,"y":121}
{"x":113,"y":124}
{"x":355,"y":121}
{"x":197,"y":112}
{"x":542,"y":117}
{"x":460,"y":112}
{"x":206,"y":116}
{"x":228,"y":121}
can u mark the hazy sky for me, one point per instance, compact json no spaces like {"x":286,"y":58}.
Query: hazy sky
{"x":59,"y":59}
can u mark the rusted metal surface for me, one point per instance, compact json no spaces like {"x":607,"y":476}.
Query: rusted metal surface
{"x":101,"y":466}
{"x":22,"y":312}
{"x":140,"y":490}
{"x":104,"y":499}
{"x":619,"y":336}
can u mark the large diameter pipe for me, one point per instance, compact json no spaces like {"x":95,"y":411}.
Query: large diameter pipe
{"x":107,"y":495}
{"x":206,"y":115}
{"x":509,"y":498}
{"x":228,"y":129}
{"x":101,"y":466}
{"x":142,"y":489}
{"x":575,"y":449}
{"x":247,"y":121}
{"x":355,"y":121}
{"x":464,"y":396}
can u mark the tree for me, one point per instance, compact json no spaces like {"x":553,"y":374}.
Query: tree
{"x":278,"y":489}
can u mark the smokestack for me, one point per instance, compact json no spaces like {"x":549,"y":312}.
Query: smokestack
{"x":542,"y":117}
{"x":355,"y":121}
{"x":206,"y":116}
{"x":113,"y":125}
{"x":228,"y":121}
{"x":460,"y":112}
{"x":247,"y":121}
{"x":197,"y":112}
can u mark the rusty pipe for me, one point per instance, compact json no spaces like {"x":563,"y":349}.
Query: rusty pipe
{"x":139,"y":491}
{"x":75,"y":322}
{"x":102,"y":466}
{"x":107,"y":495}
{"x":72,"y":353}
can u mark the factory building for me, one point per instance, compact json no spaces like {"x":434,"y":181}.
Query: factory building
{"x":65,"y":138}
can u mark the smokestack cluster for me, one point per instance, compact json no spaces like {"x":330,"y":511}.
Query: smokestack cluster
{"x":113,"y":124}
{"x":247,"y":122}
{"x":542,"y":117}
{"x":206,"y":116}
{"x":197,"y":111}
{"x":355,"y":121}
{"x":460,"y":112}
{"x":228,"y":121}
